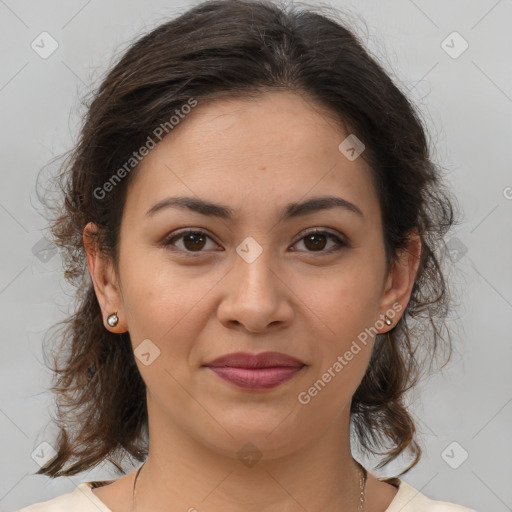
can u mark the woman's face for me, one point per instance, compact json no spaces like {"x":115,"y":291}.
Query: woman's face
{"x":255,"y":280}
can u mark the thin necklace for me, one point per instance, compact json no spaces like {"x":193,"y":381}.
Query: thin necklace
{"x":362,"y":485}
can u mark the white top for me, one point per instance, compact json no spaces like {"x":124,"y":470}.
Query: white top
{"x":82,"y":499}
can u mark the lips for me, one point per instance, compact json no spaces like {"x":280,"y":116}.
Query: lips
{"x":262,"y":360}
{"x":256,"y":371}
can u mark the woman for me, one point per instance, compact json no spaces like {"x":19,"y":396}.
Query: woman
{"x":262,"y":227}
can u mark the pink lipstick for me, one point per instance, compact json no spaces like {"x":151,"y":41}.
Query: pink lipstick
{"x":256,"y":371}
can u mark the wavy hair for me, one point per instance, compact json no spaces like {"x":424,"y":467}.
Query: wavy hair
{"x":237,"y":48}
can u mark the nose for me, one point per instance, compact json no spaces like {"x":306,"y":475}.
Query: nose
{"x":256,"y":296}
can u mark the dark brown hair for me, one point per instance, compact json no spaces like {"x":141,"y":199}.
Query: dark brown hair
{"x":237,"y":48}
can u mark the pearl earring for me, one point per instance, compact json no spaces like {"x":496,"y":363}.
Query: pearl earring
{"x":113,"y":319}
{"x":387,"y":320}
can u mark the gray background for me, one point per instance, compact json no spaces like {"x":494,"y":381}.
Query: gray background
{"x":467,"y":103}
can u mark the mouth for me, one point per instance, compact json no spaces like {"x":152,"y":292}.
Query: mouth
{"x":256,"y":371}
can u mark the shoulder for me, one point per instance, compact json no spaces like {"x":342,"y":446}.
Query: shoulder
{"x":81,"y":499}
{"x":408,"y":499}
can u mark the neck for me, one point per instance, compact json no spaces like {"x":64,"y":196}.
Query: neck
{"x":181,"y":473}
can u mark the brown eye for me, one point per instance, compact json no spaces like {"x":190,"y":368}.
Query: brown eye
{"x":192,"y":241}
{"x":316,"y":241}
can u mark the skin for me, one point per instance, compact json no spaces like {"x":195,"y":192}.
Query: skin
{"x":254,"y":156}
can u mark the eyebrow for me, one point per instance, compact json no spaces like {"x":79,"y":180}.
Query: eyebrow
{"x":292,"y":210}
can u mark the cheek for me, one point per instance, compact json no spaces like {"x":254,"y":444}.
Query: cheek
{"x":343,"y":349}
{"x":153,"y":299}
{"x":343,"y":304}
{"x":164,"y":302}
{"x":346,"y":300}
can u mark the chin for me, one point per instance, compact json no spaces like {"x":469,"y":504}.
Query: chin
{"x":269,"y":437}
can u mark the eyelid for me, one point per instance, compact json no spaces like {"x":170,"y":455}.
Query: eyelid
{"x":321,"y":230}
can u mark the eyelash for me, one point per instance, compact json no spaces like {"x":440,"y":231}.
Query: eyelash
{"x":340,"y":243}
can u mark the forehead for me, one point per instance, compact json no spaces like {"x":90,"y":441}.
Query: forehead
{"x":242,"y":151}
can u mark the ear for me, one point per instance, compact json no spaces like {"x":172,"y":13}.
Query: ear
{"x":104,"y":280}
{"x":400,"y":281}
